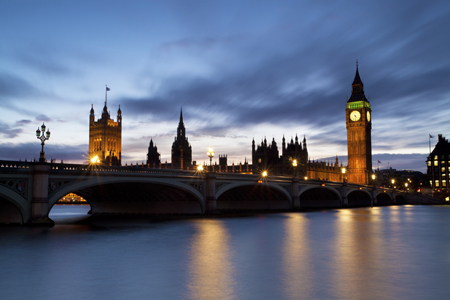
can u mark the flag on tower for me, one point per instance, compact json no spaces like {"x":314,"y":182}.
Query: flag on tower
{"x":430,"y":136}
{"x":379,"y":162}
{"x":108,"y":89}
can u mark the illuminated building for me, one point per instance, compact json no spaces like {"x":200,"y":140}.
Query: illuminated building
{"x":181,"y":150}
{"x":105,"y":138}
{"x":359,"y":141}
{"x":438,"y":165}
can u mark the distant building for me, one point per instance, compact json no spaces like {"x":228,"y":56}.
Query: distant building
{"x":438,"y":165}
{"x":181,"y":150}
{"x":105,"y":138}
{"x":265,"y":157}
{"x":153,"y":156}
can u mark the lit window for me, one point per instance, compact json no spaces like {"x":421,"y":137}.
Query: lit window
{"x":444,"y":184}
{"x":443,"y":163}
{"x":429,"y":163}
{"x":259,"y":160}
{"x":436,"y":183}
{"x":443,"y":169}
{"x":436,"y":162}
{"x":435,"y":157}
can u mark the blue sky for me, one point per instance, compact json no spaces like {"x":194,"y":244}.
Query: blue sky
{"x":240,"y":70}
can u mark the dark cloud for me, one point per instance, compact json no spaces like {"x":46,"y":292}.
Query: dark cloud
{"x":13,"y":86}
{"x":30,"y":151}
{"x":44,"y":64}
{"x":23,"y":122}
{"x":8,"y":131}
{"x":43,"y":118}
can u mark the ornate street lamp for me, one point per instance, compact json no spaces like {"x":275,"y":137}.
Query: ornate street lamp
{"x":210,"y":154}
{"x":45,"y":136}
{"x":343,"y":170}
{"x":199,"y":168}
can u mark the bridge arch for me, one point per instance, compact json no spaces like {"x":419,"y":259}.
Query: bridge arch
{"x":13,"y":207}
{"x":319,"y":196}
{"x":400,"y":199}
{"x":384,"y":198}
{"x":135,"y":195}
{"x":253,"y":196}
{"x":359,"y":197}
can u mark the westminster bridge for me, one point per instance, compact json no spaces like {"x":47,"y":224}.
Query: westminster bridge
{"x":28,"y":191}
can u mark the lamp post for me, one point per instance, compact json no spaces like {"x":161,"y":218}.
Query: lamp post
{"x":343,"y":170}
{"x":294,"y":164}
{"x":45,"y":136}
{"x":210,"y":155}
{"x":393,"y":182}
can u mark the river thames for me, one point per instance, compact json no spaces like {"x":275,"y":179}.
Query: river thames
{"x":394,"y":252}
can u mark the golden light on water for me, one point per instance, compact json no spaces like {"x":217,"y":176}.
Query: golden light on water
{"x":210,"y":267}
{"x":297,"y":267}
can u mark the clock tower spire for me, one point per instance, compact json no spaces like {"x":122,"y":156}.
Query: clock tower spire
{"x":359,"y":140}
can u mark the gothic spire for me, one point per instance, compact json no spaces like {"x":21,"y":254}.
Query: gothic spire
{"x":357,"y":88}
{"x":181,"y":116}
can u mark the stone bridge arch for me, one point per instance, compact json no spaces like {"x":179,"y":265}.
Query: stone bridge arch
{"x":319,"y":196}
{"x":384,"y":198}
{"x":135,"y":195}
{"x":400,"y":199}
{"x":359,"y":197}
{"x":253,"y":196}
{"x":13,"y":207}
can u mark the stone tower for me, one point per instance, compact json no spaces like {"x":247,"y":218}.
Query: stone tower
{"x":105,"y":138}
{"x":359,"y":140}
{"x":181,"y":150}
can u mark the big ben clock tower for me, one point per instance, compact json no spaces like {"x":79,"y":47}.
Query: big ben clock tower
{"x":359,"y":140}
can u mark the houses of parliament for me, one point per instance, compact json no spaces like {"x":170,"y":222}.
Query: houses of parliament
{"x":105,"y":147}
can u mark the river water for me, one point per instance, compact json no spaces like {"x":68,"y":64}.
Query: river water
{"x":395,"y":252}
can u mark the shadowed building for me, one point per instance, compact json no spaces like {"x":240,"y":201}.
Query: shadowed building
{"x":181,"y":150}
{"x":359,"y":141}
{"x":105,"y":138}
{"x":153,"y":156}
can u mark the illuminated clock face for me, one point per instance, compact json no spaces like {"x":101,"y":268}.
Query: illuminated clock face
{"x":355,"y":115}
{"x":368,"y":116}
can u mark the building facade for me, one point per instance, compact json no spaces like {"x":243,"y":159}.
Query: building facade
{"x":438,"y":165}
{"x":105,"y":138}
{"x":359,"y":141}
{"x":181,"y":150}
{"x":265,"y":157}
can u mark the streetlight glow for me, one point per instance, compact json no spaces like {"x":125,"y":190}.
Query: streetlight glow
{"x":95,"y":160}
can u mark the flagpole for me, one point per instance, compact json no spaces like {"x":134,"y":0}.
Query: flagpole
{"x":106,"y":95}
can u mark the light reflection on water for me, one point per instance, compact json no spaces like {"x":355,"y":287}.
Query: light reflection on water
{"x":397,"y":252}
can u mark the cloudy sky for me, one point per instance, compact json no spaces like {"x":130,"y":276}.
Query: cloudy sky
{"x":239,"y":69}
